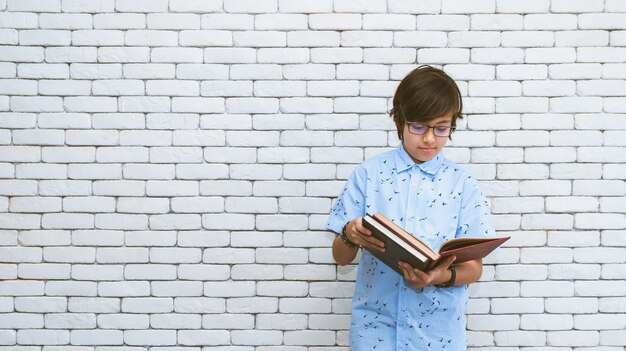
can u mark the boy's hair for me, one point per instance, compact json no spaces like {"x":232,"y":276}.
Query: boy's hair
{"x":425,"y":93}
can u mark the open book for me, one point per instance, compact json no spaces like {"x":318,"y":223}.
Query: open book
{"x":402,"y":246}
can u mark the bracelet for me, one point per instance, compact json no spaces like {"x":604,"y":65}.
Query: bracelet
{"x":345,"y":239}
{"x":450,"y":282}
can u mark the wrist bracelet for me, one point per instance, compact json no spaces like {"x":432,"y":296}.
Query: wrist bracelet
{"x":345,"y":239}
{"x":450,"y":282}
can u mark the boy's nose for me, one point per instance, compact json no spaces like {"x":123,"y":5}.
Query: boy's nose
{"x":429,"y":136}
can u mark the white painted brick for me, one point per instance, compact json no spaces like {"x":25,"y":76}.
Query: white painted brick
{"x":97,"y":238}
{"x":89,"y":204}
{"x":388,"y":22}
{"x":572,"y":305}
{"x":87,"y":304}
{"x":517,"y":305}
{"x":571,"y":204}
{"x":123,"y":321}
{"x":141,"y":6}
{"x":336,"y":55}
{"x":545,"y":187}
{"x":118,"y":87}
{"x":308,"y":71}
{"x":552,"y":122}
{"x":492,"y":323}
{"x":313,"y":39}
{"x":124,"y":289}
{"x":599,"y":220}
{"x":575,"y":171}
{"x":279,"y":88}
{"x":97,"y":272}
{"x":97,"y":337}
{"x":366,"y":38}
{"x":70,"y":320}
{"x":175,"y":55}
{"x":89,"y":6}
{"x":547,"y":289}
{"x":497,"y":22}
{"x":599,"y":187}
{"x":593,"y":54}
{"x":282,"y":321}
{"x":9,"y":36}
{"x":473,"y":39}
{"x":443,"y":55}
{"x":547,"y":322}
{"x":45,"y":37}
{"x":147,"y":305}
{"x":574,"y":271}
{"x":547,"y":221}
{"x":173,"y":21}
{"x":128,"y":54}
{"x":92,"y":104}
{"x":71,"y":288}
{"x":146,"y":71}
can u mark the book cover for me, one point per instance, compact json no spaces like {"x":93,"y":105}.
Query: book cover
{"x":402,"y":246}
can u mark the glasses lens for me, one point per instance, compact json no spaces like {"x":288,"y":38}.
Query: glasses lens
{"x":417,"y":128}
{"x":442,"y":131}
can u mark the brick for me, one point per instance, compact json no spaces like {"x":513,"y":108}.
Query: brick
{"x":87,"y":304}
{"x":575,"y":171}
{"x":571,"y":204}
{"x":282,"y":321}
{"x":548,"y":289}
{"x":173,"y":21}
{"x":40,"y":71}
{"x":97,"y":337}
{"x":96,"y":71}
{"x":335,"y":21}
{"x":45,"y":37}
{"x":195,"y":6}
{"x":204,"y":337}
{"x":487,"y":323}
{"x":147,"y":305}
{"x":97,"y":272}
{"x":128,"y":54}
{"x":118,"y":87}
{"x":71,"y":288}
{"x":124,"y":321}
{"x":121,"y":221}
{"x":572,"y":305}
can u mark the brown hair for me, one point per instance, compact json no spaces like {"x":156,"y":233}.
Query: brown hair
{"x":425,"y":93}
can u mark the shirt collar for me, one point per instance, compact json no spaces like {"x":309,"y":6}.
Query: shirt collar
{"x":404,"y":162}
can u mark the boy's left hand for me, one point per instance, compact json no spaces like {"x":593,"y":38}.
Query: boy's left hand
{"x":438,"y":275}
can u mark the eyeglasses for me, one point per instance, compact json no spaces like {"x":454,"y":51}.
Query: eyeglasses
{"x":420,"y":129}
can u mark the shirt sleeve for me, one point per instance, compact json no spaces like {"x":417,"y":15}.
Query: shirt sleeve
{"x":475,"y":215}
{"x":350,"y":203}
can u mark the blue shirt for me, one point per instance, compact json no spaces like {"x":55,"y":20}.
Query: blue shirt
{"x":436,"y":200}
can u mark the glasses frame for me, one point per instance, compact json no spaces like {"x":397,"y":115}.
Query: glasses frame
{"x":428,"y":127}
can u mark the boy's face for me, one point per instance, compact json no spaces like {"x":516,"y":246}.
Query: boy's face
{"x":422,"y":148}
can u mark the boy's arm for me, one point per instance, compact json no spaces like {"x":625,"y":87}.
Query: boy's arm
{"x":466,"y":273}
{"x":342,"y":253}
{"x":359,"y":236}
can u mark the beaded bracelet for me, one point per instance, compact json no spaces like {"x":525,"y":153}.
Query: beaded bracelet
{"x":345,"y":239}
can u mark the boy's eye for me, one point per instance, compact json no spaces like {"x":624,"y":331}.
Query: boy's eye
{"x":441,"y":129}
{"x":418,"y":128}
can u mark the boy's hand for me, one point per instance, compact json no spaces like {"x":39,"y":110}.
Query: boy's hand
{"x":437,"y":275}
{"x":358,"y":234}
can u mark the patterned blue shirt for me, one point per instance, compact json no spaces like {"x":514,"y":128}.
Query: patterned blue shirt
{"x":437,"y":201}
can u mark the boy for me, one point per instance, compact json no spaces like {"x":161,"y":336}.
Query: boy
{"x":426,"y":194}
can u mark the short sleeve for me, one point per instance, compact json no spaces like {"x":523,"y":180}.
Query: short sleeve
{"x":475,"y":214}
{"x":350,"y":203}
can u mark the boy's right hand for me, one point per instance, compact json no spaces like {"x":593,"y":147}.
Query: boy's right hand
{"x":358,"y":234}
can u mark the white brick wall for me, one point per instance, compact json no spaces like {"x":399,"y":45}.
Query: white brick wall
{"x":166,"y":166}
